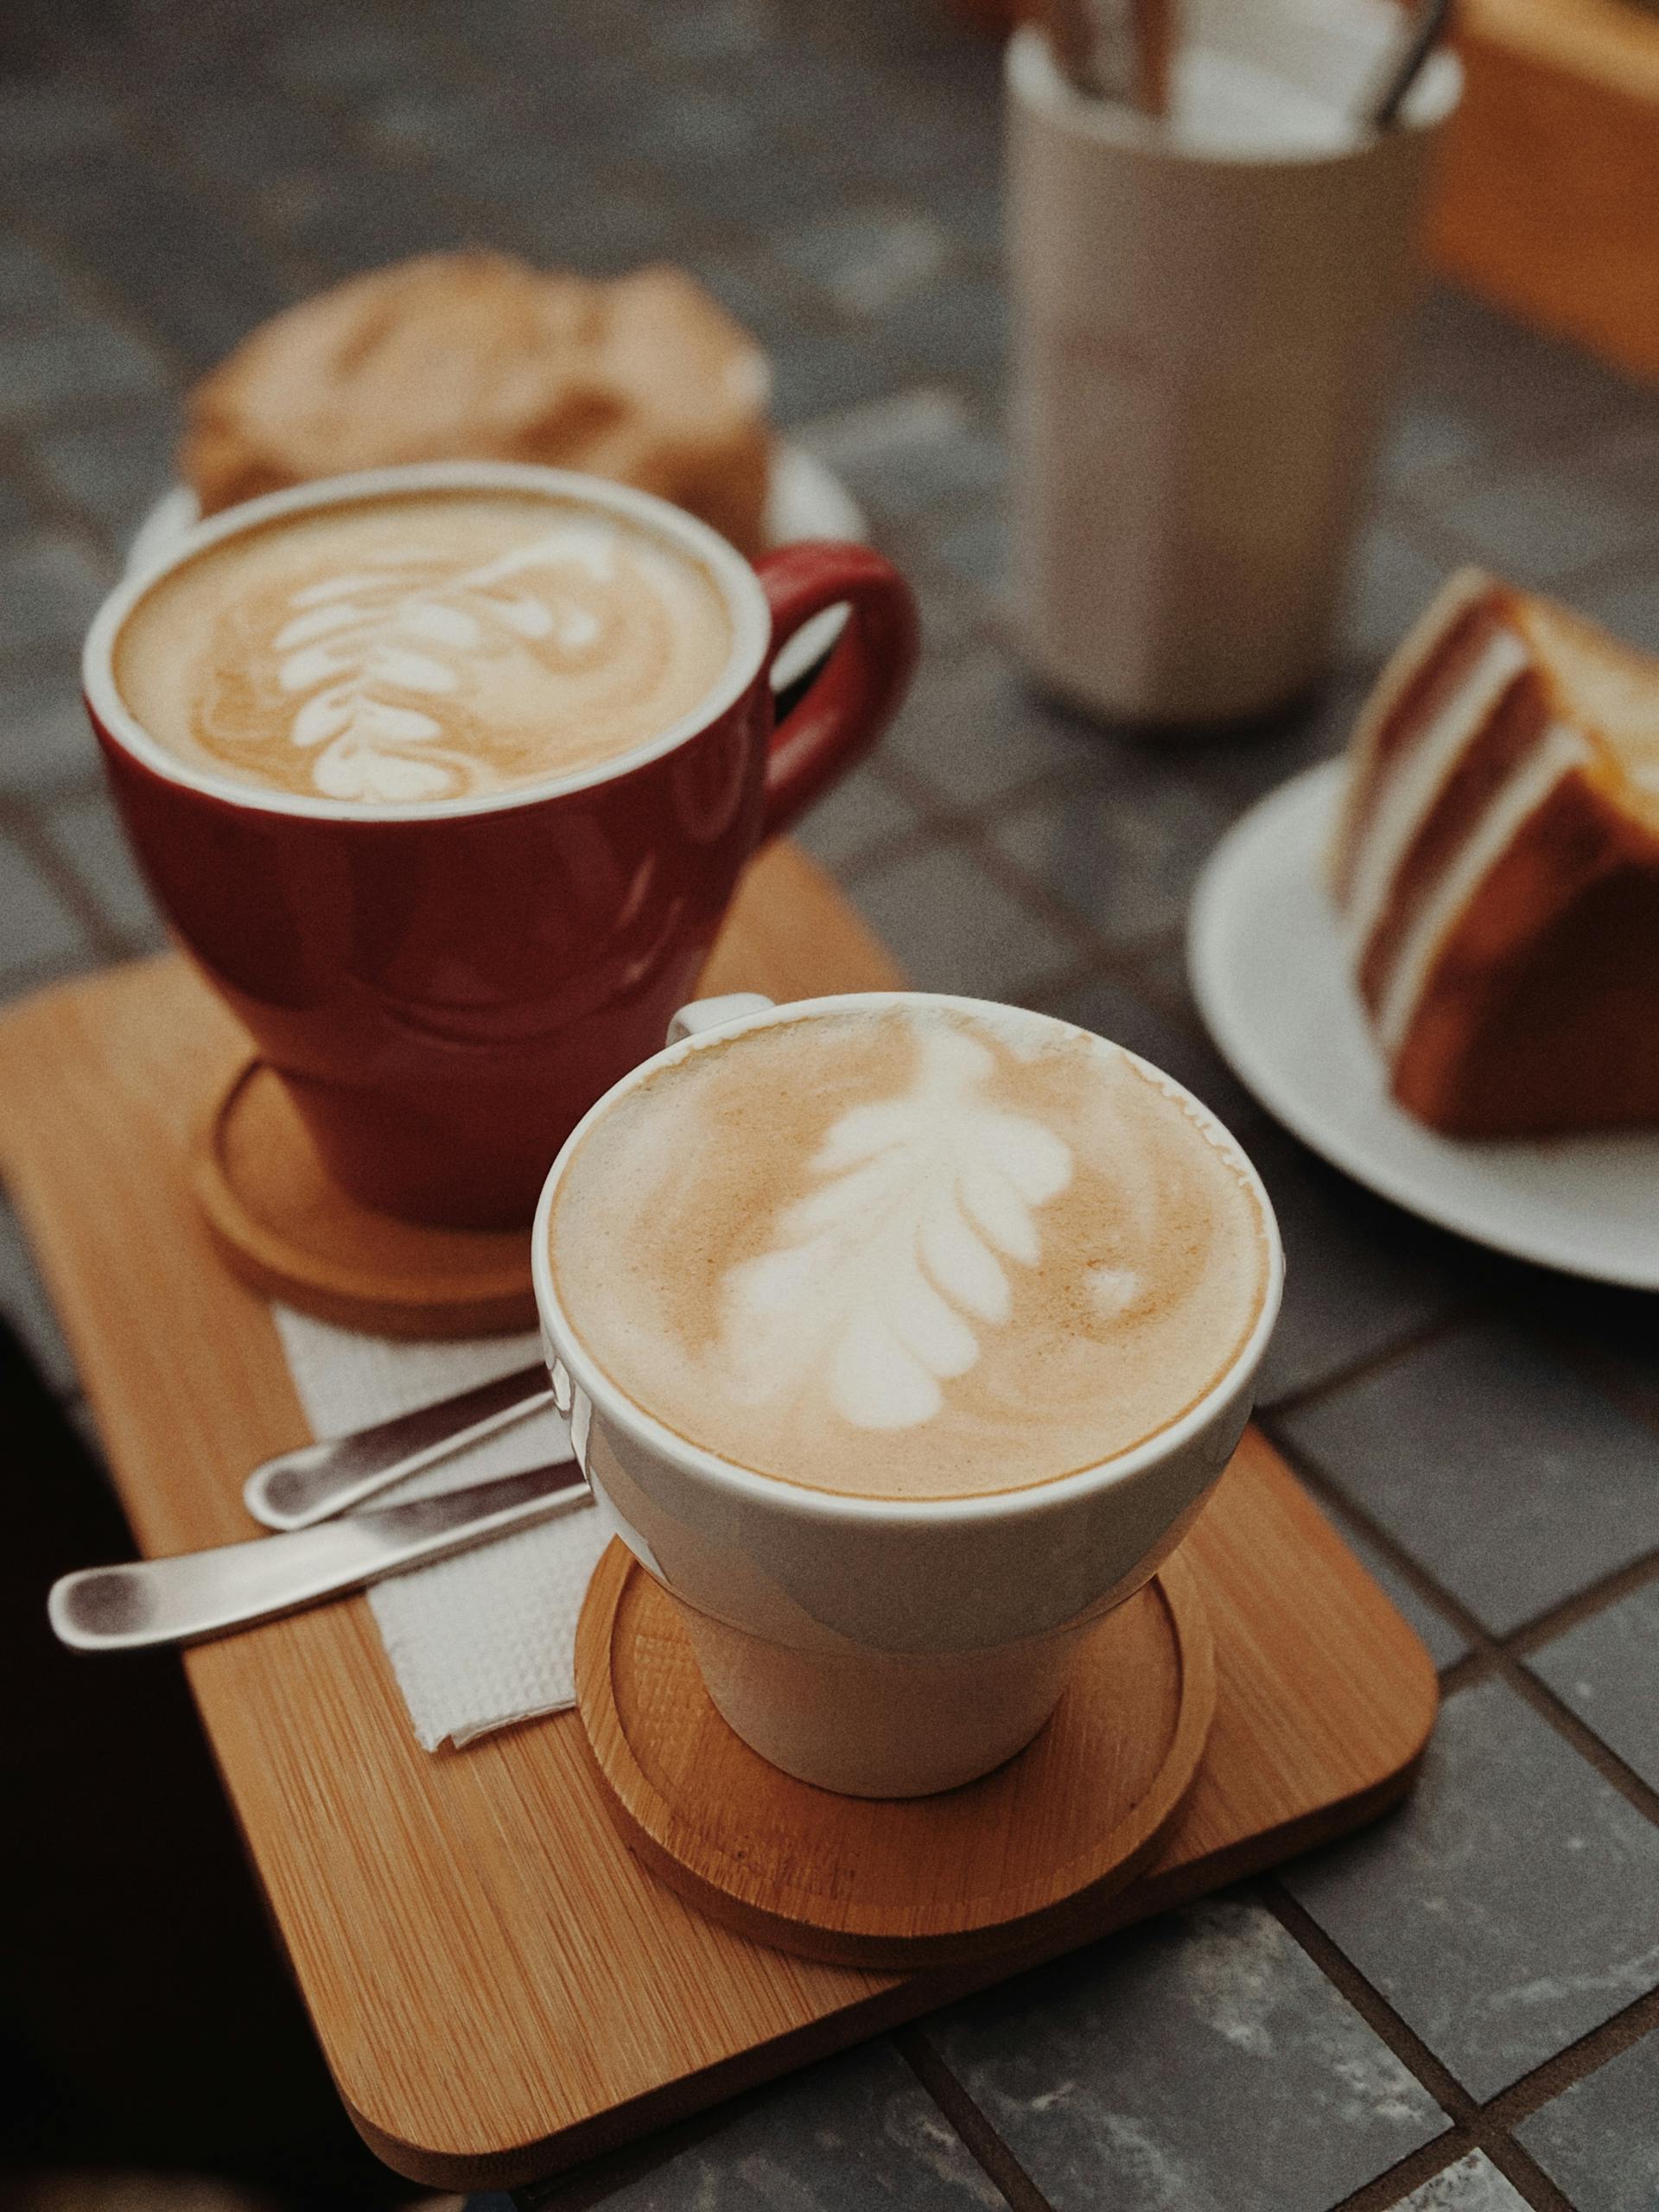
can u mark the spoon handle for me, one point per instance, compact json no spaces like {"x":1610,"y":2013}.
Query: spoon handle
{"x":198,"y":1594}
{"x":318,"y":1480}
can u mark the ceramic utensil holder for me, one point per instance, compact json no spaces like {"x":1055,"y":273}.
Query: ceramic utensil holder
{"x":1209,"y":314}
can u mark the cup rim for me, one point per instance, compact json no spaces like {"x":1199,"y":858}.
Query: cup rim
{"x":1035,"y":77}
{"x":732,"y":576}
{"x":1056,"y":1494}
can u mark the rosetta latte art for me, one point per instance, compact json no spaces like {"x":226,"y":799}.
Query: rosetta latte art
{"x":883,"y":1277}
{"x":423,"y":647}
{"x":907,"y":1250}
{"x":355,"y":642}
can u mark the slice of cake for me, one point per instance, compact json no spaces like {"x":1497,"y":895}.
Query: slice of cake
{"x":1496,"y":868}
{"x":476,"y":356}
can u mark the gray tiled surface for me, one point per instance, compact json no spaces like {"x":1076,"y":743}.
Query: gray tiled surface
{"x":1498,"y":1466}
{"x":861,"y":814}
{"x":1603,"y":1669}
{"x":1471,"y":2184}
{"x":47,"y":738}
{"x":1200,"y":2062}
{"x":858,"y":2134}
{"x":114,"y":471}
{"x":42,"y":935}
{"x":1538,"y":524}
{"x":1511,"y":1905}
{"x":955,"y":928}
{"x":831,"y":173}
{"x":1597,"y":2139}
{"x":1626,"y":602}
{"x":87,"y":833}
{"x":49,"y":591}
{"x":1122,"y":850}
{"x":976,"y":732}
{"x":1445,"y":1641}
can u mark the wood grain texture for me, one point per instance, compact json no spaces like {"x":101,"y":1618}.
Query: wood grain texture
{"x":1548,"y":180}
{"x":500,"y":1989}
{"x":1027,"y":1853}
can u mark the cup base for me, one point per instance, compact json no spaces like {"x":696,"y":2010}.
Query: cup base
{"x":870,"y":1724}
{"x":903,"y":1882}
{"x":1170,"y":714}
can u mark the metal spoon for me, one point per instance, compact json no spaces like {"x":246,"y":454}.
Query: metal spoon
{"x":315,"y":1481}
{"x":198,"y":1594}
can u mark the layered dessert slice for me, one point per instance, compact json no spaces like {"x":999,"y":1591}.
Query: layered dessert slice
{"x":1496,"y":868}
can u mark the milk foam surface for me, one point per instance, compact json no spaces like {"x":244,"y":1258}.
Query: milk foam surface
{"x":423,"y":648}
{"x":909,"y":1252}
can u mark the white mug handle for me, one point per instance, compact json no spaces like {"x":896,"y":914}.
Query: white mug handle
{"x":714,"y":1014}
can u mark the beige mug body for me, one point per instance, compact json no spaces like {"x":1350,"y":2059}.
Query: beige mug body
{"x":1207,"y":341}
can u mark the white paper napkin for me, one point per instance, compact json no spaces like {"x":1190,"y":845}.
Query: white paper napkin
{"x":487,"y":1637}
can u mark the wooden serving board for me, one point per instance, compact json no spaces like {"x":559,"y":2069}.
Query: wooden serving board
{"x":499,"y":1987}
{"x":1024,"y":1853}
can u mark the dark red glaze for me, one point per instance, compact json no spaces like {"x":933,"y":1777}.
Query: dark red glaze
{"x":446,"y":998}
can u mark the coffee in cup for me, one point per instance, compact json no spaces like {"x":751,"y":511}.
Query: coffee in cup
{"x":425,"y":648}
{"x":902,"y":1336}
{"x":446,"y":775}
{"x":909,"y":1250}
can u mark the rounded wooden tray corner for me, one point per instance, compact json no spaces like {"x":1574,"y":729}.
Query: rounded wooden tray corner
{"x":897,"y":1883}
{"x":288,"y":1232}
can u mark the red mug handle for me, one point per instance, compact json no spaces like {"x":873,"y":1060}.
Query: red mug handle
{"x":852,"y":699}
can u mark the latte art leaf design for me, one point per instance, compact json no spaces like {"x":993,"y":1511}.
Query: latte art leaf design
{"x":404,"y":627}
{"x":881,"y":1281}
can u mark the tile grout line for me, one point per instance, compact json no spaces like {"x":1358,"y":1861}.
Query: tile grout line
{"x":1613,"y":1770}
{"x":1373,"y":2007}
{"x":1584,"y":1604}
{"x":1491,"y":1658}
{"x":1430,"y":531}
{"x":1473,"y":2127}
{"x":1576,"y":2063}
{"x":966,"y":828}
{"x":1503,"y":1658}
{"x":1460,"y":1316}
{"x":1522,"y":2171}
{"x":707,"y":233}
{"x":968,"y":2121}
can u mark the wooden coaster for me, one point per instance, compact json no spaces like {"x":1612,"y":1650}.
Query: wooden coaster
{"x":288,"y":1231}
{"x":897,"y":1882}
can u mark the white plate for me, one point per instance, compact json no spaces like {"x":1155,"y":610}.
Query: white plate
{"x":804,"y":500}
{"x":1271,"y":981}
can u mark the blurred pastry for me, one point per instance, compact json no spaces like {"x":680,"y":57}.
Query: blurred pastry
{"x":457,"y":356}
{"x":1496,"y":865}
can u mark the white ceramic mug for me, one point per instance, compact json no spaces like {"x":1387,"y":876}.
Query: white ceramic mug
{"x":882,"y":1648}
{"x":1209,"y":319}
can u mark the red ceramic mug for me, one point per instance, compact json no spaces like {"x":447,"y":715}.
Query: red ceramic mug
{"x":447,"y":987}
